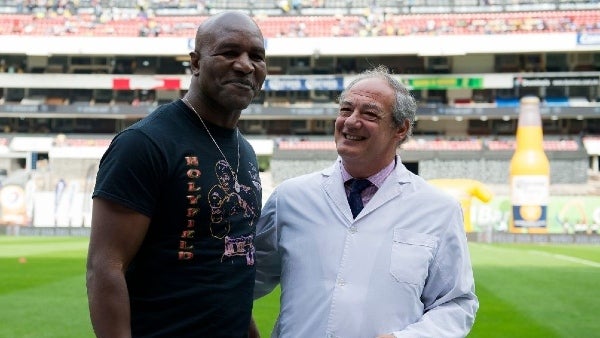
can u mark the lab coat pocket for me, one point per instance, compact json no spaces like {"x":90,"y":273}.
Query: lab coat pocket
{"x":412,"y":253}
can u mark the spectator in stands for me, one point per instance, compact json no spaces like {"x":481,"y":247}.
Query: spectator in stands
{"x":166,"y":258}
{"x":400,"y":267}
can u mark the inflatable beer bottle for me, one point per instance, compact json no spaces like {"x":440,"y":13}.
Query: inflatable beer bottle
{"x":529,"y":172}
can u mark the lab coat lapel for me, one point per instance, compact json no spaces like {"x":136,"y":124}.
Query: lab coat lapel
{"x":391,"y":188}
{"x":333,"y":187}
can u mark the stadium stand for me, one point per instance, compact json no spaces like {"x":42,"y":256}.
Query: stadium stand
{"x":92,"y":67}
{"x":309,"y":26}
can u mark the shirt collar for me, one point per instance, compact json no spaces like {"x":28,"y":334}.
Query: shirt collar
{"x":377,"y":179}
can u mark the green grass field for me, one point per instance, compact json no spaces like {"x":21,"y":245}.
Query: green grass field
{"x":525,"y":290}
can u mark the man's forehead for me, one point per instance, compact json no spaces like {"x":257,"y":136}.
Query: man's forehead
{"x":231,"y":36}
{"x":238,"y":42}
{"x":356,"y":95}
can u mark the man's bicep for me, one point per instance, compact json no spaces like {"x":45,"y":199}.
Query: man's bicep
{"x":117,"y":232}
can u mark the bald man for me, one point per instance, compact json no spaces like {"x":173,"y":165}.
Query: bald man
{"x":176,"y":200}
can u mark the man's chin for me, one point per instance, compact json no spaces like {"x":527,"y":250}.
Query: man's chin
{"x":347,"y":152}
{"x":238,"y":103}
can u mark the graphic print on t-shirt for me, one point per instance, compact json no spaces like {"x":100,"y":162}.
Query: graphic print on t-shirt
{"x":228,"y":201}
{"x":227,"y":198}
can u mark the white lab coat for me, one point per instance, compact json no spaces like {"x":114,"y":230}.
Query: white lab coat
{"x":402,"y":266}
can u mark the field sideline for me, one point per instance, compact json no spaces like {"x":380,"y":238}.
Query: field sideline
{"x":525,"y":290}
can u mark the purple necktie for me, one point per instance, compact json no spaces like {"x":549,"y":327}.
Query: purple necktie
{"x":357,"y":185}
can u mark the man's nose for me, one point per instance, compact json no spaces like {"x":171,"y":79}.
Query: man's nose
{"x":354,"y":118}
{"x":244,"y":64}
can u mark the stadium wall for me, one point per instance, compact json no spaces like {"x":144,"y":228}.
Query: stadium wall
{"x":423,"y":45}
{"x":486,"y":166}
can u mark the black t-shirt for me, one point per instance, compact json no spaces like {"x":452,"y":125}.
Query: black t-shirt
{"x":194,"y":273}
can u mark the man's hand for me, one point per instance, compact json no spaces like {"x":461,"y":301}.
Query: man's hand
{"x":253,"y":330}
{"x":386,"y":336}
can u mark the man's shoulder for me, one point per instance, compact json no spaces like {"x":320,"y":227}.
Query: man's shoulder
{"x":161,"y":120}
{"x":302,"y":181}
{"x":422,"y":187}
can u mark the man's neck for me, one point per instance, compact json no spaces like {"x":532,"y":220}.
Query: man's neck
{"x":358,"y":171}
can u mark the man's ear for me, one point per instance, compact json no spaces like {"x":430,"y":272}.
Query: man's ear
{"x":194,"y":59}
{"x":402,"y":130}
